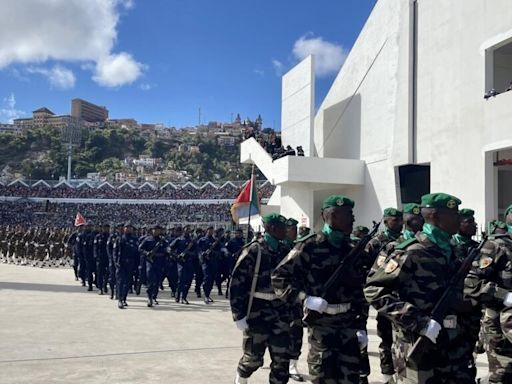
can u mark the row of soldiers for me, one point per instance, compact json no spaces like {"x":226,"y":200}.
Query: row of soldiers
{"x":436,"y":292}
{"x":36,"y":246}
{"x":123,"y":261}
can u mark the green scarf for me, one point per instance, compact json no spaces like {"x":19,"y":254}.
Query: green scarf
{"x":459,"y":239}
{"x":272,"y":242}
{"x":509,"y":228}
{"x":335,"y":238}
{"x":390,"y":234}
{"x":439,"y":238}
{"x":408,"y":234}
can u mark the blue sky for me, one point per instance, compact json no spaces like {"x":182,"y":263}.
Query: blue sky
{"x":159,"y":61}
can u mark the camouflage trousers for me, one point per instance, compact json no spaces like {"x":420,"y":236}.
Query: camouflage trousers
{"x":334,"y":355}
{"x":296,"y":333}
{"x":446,"y":364}
{"x":385,"y":332}
{"x":497,"y":345}
{"x":255,"y":342}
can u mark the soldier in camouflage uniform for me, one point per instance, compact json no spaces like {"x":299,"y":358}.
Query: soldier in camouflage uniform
{"x":338,"y":334}
{"x":263,"y":318}
{"x":406,"y":289}
{"x":490,"y":283}
{"x":462,"y":243}
{"x":296,"y":326}
{"x":393,"y":222}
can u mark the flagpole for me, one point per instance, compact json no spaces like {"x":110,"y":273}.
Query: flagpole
{"x":250,"y":205}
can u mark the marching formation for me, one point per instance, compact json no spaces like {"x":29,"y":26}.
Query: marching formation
{"x":123,"y":259}
{"x":440,"y":296}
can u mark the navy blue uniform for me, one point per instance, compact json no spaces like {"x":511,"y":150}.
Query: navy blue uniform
{"x":171,"y":269}
{"x":112,"y":239}
{"x":86,"y":266}
{"x":141,"y":268}
{"x":234,"y":247}
{"x":156,"y":250}
{"x":101,"y":257}
{"x":183,"y":250}
{"x":209,"y":254}
{"x":126,"y":251}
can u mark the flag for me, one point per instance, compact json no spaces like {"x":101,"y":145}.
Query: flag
{"x":79,"y":220}
{"x":247,"y":203}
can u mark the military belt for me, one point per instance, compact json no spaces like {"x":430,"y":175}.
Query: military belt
{"x":334,"y":309}
{"x":265,"y":296}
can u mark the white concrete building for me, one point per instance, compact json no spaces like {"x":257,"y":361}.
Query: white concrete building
{"x":406,"y":115}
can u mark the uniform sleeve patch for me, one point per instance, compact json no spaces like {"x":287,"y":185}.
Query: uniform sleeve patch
{"x":381,"y":260}
{"x":485,"y":262}
{"x":391,"y":266}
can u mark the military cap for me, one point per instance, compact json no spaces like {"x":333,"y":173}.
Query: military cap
{"x":393,"y":212}
{"x":466,"y":212}
{"x":412,"y":209}
{"x":337,"y":201}
{"x":291,"y":222}
{"x":508,"y":210}
{"x":129,"y":224}
{"x":220,"y":229}
{"x":362,"y":228}
{"x":273,"y":218}
{"x":440,"y":200}
{"x":210,"y":227}
{"x":156,"y":226}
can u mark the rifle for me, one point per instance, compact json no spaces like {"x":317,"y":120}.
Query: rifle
{"x":183,"y":255}
{"x":206,"y":254}
{"x":151,"y":254}
{"x":334,"y":280}
{"x":423,"y":344}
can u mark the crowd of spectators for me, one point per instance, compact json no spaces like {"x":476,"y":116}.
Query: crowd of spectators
{"x":62,"y":215}
{"x":272,"y":143}
{"x":168,"y":192}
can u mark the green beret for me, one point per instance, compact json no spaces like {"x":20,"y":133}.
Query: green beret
{"x":508,"y":210}
{"x":362,"y":228}
{"x":412,"y":209}
{"x":291,"y":222}
{"x":440,"y":200}
{"x":273,"y":218}
{"x":466,"y":212}
{"x":494,"y":224}
{"x":392,"y":212}
{"x":338,"y":201}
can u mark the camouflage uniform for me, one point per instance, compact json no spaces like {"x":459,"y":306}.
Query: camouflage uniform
{"x":488,"y":282}
{"x":378,"y":249}
{"x":269,"y":317}
{"x":334,"y":355}
{"x":471,"y":322}
{"x":405,"y":290}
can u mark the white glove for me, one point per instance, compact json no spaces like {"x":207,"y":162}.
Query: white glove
{"x":362,"y":339}
{"x":316,"y":303}
{"x":507,"y":302}
{"x":432,"y":330}
{"x":242,"y":324}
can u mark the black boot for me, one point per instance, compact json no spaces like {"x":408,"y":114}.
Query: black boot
{"x":150,"y":303}
{"x":120,"y":304}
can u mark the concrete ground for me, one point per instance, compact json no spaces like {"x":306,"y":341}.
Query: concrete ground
{"x":53,"y":331}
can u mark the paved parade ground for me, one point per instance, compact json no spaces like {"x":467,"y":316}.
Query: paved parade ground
{"x":53,"y":331}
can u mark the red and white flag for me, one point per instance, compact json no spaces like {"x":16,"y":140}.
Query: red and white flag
{"x":79,"y":220}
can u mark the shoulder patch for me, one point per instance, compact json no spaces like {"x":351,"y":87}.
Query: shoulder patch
{"x":391,"y":266}
{"x":403,"y":245}
{"x":381,"y":260}
{"x":485,"y":262}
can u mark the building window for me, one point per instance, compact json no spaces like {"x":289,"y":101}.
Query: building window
{"x":499,"y":67}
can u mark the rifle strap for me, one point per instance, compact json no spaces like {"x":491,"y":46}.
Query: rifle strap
{"x":254,"y":279}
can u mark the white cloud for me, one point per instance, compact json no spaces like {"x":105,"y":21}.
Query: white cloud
{"x":59,"y":77}
{"x":8,"y":112}
{"x":117,"y":69}
{"x":329,"y":57}
{"x":146,"y":86}
{"x":34,"y":31}
{"x":259,"y":72}
{"x":278,"y":67}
